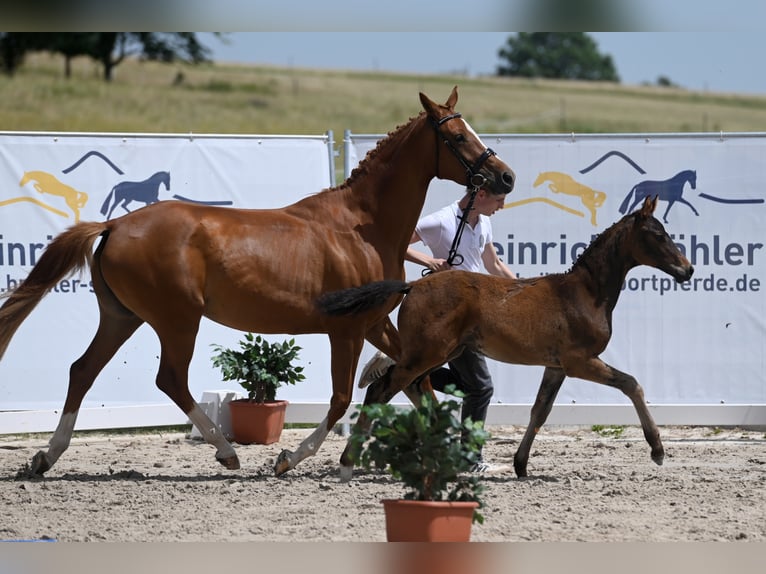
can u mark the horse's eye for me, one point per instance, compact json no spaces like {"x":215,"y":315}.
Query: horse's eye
{"x":460,"y":138}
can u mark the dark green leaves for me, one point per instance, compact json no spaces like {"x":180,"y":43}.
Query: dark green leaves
{"x":259,"y":366}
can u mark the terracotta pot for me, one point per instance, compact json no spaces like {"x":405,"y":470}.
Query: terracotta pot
{"x":428,"y":521}
{"x":257,"y":423}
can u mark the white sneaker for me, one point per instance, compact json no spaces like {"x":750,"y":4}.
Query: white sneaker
{"x":375,"y":369}
{"x":491,"y":468}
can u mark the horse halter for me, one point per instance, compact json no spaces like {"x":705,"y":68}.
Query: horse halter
{"x":473,"y":178}
{"x":474,"y":182}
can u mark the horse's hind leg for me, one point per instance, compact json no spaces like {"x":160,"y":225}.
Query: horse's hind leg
{"x":345,"y":351}
{"x":177,"y":342}
{"x":546,"y":395}
{"x":111,"y":334}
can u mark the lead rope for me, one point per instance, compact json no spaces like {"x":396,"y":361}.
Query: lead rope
{"x":474,"y":183}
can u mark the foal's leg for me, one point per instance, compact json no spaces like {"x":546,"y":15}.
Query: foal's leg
{"x":345,"y":355}
{"x":598,"y":371}
{"x":112,"y":332}
{"x":546,"y":395}
{"x":396,"y":379}
{"x":384,"y":336}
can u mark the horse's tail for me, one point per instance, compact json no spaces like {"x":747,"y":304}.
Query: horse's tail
{"x":70,"y":251}
{"x":626,"y":201}
{"x":361,"y":299}
{"x":107,"y":201}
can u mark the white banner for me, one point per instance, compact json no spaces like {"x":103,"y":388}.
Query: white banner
{"x":49,"y":181}
{"x":698,"y":343}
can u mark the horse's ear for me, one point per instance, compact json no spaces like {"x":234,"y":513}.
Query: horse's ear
{"x":452,"y":100}
{"x":429,"y":106}
{"x":650,"y":204}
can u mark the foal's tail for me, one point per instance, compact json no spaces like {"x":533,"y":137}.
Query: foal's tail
{"x":70,"y":251}
{"x":361,"y":299}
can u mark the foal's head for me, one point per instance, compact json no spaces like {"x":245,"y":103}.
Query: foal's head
{"x":651,"y":245}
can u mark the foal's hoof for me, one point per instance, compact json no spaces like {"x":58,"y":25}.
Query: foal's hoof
{"x":658,"y":456}
{"x":520,"y":469}
{"x":39,"y":464}
{"x":230,"y":462}
{"x":283,"y":463}
{"x":346,"y":473}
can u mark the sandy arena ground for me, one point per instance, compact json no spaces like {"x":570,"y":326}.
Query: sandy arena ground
{"x":164,"y":487}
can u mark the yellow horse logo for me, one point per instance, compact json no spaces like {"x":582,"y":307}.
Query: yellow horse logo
{"x":44,"y":182}
{"x":562,"y":183}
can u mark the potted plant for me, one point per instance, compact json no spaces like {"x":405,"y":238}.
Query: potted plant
{"x":260,"y":367}
{"x":431,"y":452}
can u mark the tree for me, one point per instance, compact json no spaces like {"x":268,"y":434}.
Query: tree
{"x":570,"y":55}
{"x":108,"y":48}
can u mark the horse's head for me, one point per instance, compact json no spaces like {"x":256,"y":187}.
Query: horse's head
{"x":467,"y":160}
{"x":651,"y":244}
{"x":693,"y":179}
{"x":166,"y":179}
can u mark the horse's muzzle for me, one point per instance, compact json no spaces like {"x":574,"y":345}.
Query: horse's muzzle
{"x":684,"y":273}
{"x":509,"y":179}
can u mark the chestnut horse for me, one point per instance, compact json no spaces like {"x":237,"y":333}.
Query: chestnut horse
{"x":171,"y":263}
{"x":561,"y":321}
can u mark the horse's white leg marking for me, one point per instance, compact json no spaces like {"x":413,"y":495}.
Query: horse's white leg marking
{"x":310,"y":444}
{"x":211,"y":433}
{"x":61,"y":436}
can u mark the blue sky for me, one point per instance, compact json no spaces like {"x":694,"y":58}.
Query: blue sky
{"x":711,"y":61}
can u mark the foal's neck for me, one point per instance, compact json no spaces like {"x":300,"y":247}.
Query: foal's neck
{"x":607,"y":265}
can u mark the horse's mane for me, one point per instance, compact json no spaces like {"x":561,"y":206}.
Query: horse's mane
{"x":363,"y":167}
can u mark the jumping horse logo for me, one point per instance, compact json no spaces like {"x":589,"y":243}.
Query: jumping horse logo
{"x":559,"y":182}
{"x":47,"y":183}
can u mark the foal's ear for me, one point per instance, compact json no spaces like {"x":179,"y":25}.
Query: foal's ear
{"x":650,"y":204}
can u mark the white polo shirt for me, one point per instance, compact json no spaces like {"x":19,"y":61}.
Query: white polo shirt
{"x":437,"y":231}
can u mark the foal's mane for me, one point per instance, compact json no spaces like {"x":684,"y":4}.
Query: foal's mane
{"x":605,"y":244}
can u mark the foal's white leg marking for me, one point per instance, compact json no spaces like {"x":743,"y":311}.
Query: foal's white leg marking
{"x":310,"y":444}
{"x":211,"y":433}
{"x":346,"y":473}
{"x":61,"y":436}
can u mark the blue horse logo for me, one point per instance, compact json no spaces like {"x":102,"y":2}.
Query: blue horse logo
{"x":126,"y":192}
{"x":670,"y":190}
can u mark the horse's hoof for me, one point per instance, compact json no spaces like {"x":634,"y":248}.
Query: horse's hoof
{"x":658,"y":457}
{"x":230,"y":462}
{"x":346,"y":473}
{"x":520,"y":470}
{"x":39,"y":464}
{"x":283,"y":463}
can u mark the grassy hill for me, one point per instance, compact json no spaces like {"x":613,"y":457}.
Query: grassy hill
{"x":150,"y":97}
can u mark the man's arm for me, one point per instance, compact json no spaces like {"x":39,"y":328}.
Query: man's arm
{"x":420,"y":258}
{"x":493,"y":264}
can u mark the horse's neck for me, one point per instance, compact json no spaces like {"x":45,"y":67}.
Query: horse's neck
{"x":391,"y":185}
{"x":606,"y":267}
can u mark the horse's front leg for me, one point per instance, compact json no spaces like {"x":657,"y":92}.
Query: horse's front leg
{"x":546,"y":395}
{"x":598,"y":371}
{"x":345,"y":355}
